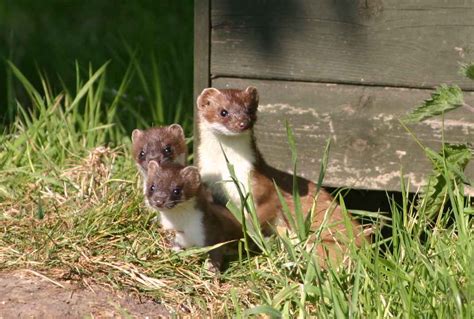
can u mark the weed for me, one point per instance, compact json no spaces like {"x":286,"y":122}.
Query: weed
{"x":71,"y":206}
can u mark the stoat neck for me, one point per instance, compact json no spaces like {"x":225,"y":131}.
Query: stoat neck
{"x":173,"y":218}
{"x":211,"y":142}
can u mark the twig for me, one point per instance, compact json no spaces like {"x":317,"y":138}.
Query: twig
{"x":44,"y":277}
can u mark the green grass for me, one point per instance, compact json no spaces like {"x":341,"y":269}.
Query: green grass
{"x":58,"y":37}
{"x":71,"y":207}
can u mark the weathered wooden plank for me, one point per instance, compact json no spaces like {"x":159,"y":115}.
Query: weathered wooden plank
{"x":369,"y":146}
{"x":201,"y":52}
{"x":401,"y":43}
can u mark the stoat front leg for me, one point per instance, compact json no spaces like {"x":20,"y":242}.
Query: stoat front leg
{"x":178,"y":240}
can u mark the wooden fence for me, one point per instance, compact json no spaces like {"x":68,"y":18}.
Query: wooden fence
{"x":345,"y":70}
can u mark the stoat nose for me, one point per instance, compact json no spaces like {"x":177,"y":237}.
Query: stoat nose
{"x":159,"y":202}
{"x":243,"y":125}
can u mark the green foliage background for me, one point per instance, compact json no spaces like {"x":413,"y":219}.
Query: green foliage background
{"x":50,"y":36}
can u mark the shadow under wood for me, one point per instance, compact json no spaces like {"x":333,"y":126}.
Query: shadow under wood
{"x":370,"y":200}
{"x":373,"y":201}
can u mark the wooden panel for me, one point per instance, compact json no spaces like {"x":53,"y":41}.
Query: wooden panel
{"x":401,"y":43}
{"x":369,"y":146}
{"x":201,"y":52}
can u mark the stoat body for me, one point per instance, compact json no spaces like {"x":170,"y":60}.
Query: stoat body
{"x":186,"y":208}
{"x":213,"y":165}
{"x":226,"y":117}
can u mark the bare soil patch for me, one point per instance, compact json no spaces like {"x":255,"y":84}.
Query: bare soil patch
{"x":25,"y":294}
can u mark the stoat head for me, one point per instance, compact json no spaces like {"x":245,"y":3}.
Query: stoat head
{"x":160,"y":144}
{"x":228,"y":111}
{"x":171,"y":184}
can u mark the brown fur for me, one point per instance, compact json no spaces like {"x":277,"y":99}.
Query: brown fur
{"x":220,"y":226}
{"x":167,"y":177}
{"x":218,"y":222}
{"x":243,"y":105}
{"x":153,"y":142}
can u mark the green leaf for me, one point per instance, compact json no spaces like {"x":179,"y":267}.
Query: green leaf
{"x":264,"y":309}
{"x":453,"y":157}
{"x":250,"y":224}
{"x":444,"y":99}
{"x":286,"y":210}
{"x":40,"y":211}
{"x":88,"y":86}
{"x":324,"y":164}
{"x":298,"y":211}
{"x":30,"y":89}
{"x":201,"y":250}
{"x":291,"y":141}
{"x":467,"y":70}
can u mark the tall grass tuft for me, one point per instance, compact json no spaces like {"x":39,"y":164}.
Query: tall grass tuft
{"x":71,"y":206}
{"x":55,"y":127}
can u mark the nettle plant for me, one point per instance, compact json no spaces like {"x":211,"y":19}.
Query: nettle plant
{"x":450,"y":162}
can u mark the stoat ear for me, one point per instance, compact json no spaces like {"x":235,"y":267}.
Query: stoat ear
{"x":153,"y":167}
{"x":203,"y":99}
{"x":136,"y":135}
{"x":176,"y":130}
{"x":191,"y":175}
{"x":252,"y":92}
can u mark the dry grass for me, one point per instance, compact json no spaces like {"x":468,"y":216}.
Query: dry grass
{"x":71,"y":207}
{"x":95,"y":228}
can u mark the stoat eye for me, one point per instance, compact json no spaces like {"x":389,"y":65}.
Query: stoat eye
{"x":224,"y":113}
{"x":176,"y":191}
{"x":167,"y":150}
{"x":152,"y":187}
{"x":141,"y":155}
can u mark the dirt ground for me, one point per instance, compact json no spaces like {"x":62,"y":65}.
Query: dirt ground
{"x":26,"y":294}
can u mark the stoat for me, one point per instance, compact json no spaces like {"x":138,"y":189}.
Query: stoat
{"x":186,"y":207}
{"x":226,"y":118}
{"x":160,"y":144}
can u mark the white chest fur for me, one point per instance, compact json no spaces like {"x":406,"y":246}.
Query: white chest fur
{"x":186,"y":220}
{"x":213,"y":166}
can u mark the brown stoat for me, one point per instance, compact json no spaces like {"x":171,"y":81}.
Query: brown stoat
{"x":186,"y":207}
{"x":160,"y":144}
{"x":226,"y":117}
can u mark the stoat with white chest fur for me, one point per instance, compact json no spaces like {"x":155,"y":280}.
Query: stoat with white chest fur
{"x":226,"y":119}
{"x":186,"y":207}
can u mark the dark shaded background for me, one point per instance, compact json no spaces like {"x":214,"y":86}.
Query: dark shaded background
{"x":50,"y":36}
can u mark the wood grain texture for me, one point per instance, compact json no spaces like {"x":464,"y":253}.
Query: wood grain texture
{"x":400,"y":43}
{"x":369,"y":147}
{"x":201,"y":54}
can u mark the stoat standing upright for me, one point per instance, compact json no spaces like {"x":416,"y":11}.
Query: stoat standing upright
{"x":160,"y":144}
{"x":226,"y":118}
{"x":186,"y":207}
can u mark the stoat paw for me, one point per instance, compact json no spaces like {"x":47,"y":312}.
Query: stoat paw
{"x":212,"y":267}
{"x":176,"y":247}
